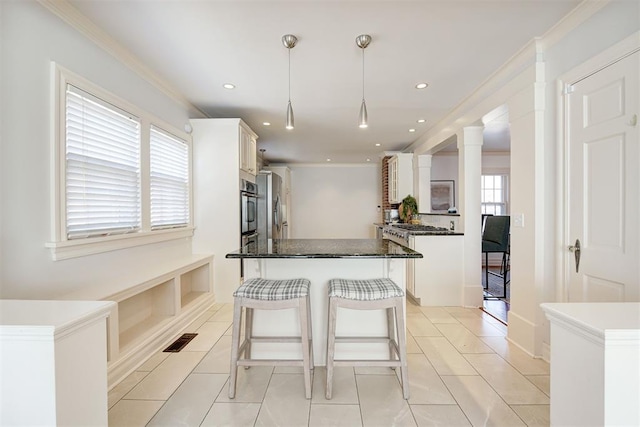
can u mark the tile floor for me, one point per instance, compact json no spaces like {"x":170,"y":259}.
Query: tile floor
{"x":462,"y":372}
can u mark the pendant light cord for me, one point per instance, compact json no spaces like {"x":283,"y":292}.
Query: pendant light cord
{"x":289,"y":49}
{"x":362,"y":74}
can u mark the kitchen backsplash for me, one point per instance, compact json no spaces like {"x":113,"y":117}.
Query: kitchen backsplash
{"x":448,"y":221}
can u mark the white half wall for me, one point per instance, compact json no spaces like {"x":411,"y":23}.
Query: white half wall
{"x":335,"y":201}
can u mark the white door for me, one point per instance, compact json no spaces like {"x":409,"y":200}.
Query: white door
{"x":604,"y":186}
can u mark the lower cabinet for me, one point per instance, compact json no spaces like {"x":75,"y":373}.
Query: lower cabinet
{"x":438,"y":277}
{"x":151,"y":310}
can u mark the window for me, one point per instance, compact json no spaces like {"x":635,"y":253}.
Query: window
{"x":494,"y":191}
{"x":102,"y":167}
{"x":122,"y":177}
{"x":169,"y":180}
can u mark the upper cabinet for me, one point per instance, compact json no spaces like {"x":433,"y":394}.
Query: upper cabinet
{"x":248,"y":149}
{"x":400,"y":177}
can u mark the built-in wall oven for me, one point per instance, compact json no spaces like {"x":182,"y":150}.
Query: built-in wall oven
{"x":248,"y":207}
{"x":248,"y":216}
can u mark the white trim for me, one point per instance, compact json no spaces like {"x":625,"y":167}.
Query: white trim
{"x":63,"y":248}
{"x":571,"y":21}
{"x":597,"y":63}
{"x":65,"y":11}
{"x":332,"y":165}
{"x":67,"y":249}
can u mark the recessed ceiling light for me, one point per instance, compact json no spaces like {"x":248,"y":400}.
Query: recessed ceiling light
{"x":228,"y":86}
{"x":328,"y":160}
{"x":412,"y":130}
{"x":266,"y":123}
{"x":368,"y":160}
{"x":421,"y":85}
{"x":421,"y":120}
{"x":377,"y":145}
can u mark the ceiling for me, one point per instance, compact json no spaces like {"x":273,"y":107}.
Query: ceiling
{"x":453,"y":45}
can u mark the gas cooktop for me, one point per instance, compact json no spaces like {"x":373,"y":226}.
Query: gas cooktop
{"x":420,"y":227}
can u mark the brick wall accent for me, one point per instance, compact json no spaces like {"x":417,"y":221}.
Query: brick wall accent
{"x":385,"y":188}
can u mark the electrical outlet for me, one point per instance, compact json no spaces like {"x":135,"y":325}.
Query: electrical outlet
{"x":518,"y":220}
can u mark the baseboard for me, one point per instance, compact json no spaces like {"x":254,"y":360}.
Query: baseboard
{"x":472,"y":296}
{"x":522,"y":333}
{"x":546,"y":352}
{"x":413,"y":299}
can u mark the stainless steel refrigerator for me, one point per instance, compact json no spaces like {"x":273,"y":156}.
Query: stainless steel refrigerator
{"x":269,"y":206}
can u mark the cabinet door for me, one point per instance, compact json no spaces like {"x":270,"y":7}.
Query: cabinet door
{"x":247,"y":152}
{"x":251,"y":155}
{"x":393,"y":180}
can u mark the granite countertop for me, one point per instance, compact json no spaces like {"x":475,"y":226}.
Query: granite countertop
{"x":325,"y":248}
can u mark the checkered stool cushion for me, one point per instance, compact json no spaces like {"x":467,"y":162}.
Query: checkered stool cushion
{"x":273,"y":290}
{"x":364,"y":290}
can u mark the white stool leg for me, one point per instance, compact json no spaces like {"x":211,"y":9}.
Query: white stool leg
{"x":304,"y":338}
{"x":310,"y":331}
{"x":331,"y":344}
{"x":402,"y":347}
{"x":235,"y":344}
{"x":391,"y":333}
{"x":248,"y":332}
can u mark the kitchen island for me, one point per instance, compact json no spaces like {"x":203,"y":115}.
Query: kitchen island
{"x":321,"y":260}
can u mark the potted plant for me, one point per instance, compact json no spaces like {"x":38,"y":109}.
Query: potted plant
{"x":408,"y":208}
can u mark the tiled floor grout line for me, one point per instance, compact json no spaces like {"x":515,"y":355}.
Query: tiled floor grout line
{"x":455,"y":314}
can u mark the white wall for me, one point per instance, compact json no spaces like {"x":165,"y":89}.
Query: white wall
{"x":444,"y":166}
{"x":334,"y":201}
{"x":32,"y":37}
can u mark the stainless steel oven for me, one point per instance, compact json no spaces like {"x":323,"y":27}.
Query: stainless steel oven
{"x":248,"y":207}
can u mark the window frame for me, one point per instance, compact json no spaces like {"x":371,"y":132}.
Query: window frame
{"x":60,"y":245}
{"x":505,"y":191}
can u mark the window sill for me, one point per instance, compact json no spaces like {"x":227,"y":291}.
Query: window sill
{"x":82,"y":247}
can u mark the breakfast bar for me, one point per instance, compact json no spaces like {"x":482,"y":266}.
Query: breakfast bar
{"x":320,"y":260}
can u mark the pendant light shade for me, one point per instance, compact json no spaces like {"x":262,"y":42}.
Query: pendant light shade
{"x":363,"y":117}
{"x":290,"y":122}
{"x":363,"y":41}
{"x":289,"y":41}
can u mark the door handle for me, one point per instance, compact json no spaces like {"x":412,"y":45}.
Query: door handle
{"x":576,"y":252}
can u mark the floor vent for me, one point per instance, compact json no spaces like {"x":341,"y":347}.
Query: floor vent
{"x":179,"y":343}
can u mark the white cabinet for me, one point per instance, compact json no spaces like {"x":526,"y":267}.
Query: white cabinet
{"x":247,"y":149}
{"x":400,"y":177}
{"x":152,"y":307}
{"x":437,"y":279}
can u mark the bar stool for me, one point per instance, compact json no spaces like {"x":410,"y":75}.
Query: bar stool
{"x":370,"y":294}
{"x":264,"y":294}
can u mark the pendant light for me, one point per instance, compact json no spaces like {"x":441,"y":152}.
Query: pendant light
{"x":363,"y":41}
{"x":289,"y":41}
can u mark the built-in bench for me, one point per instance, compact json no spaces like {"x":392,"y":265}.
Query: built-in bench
{"x":152,"y":309}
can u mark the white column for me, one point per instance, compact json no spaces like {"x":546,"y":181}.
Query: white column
{"x":470,"y":167}
{"x":422,"y":181}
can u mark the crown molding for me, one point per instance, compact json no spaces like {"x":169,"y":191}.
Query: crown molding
{"x":528,"y":55}
{"x":69,"y":14}
{"x":571,"y":21}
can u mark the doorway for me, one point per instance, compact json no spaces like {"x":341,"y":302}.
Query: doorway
{"x":495,"y":198}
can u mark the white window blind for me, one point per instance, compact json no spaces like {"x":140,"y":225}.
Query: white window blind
{"x":102,"y":167}
{"x":169,"y":176}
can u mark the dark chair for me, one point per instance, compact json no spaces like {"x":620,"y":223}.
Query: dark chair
{"x":495,"y":239}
